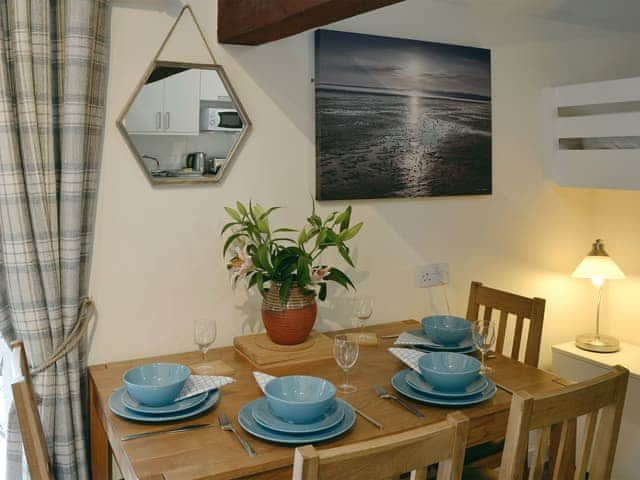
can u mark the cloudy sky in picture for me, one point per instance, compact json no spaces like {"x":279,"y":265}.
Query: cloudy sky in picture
{"x":414,"y":66}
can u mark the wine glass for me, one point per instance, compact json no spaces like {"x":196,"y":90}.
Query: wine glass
{"x":484,"y":334}
{"x":362,"y":309}
{"x":204,"y":334}
{"x":345,"y":351}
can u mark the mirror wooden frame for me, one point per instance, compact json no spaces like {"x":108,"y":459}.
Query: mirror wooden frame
{"x":242,"y":134}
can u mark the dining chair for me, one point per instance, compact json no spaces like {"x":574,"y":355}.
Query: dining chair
{"x":35,"y":446}
{"x":391,"y":456}
{"x":510,"y":305}
{"x":599,"y":400}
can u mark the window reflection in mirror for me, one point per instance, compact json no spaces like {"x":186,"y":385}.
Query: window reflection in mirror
{"x":184,"y":123}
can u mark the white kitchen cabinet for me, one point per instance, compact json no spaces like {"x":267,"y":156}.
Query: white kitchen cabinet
{"x":182,"y":103}
{"x":170,"y":106}
{"x":212,"y":88}
{"x":145,"y":114}
{"x":578,"y":365}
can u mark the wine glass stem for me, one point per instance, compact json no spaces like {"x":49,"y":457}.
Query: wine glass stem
{"x":483,"y":355}
{"x":346,"y":376}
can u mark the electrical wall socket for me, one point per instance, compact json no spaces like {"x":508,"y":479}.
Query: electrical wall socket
{"x":432,"y":275}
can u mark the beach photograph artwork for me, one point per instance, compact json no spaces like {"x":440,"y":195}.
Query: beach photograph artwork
{"x":400,"y":118}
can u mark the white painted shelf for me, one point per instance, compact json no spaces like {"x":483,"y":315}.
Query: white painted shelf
{"x":575,"y":117}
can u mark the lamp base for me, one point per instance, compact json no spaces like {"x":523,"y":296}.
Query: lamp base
{"x":597,"y":343}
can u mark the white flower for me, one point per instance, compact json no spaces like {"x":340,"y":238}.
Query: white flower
{"x":318,"y":274}
{"x":241,"y":265}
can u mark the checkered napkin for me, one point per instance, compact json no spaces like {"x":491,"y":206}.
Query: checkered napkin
{"x":408,"y":356}
{"x":407,"y":338}
{"x":262,"y":379}
{"x":197,"y":384}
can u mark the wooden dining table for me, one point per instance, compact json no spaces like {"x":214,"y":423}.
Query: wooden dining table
{"x":211,"y":453}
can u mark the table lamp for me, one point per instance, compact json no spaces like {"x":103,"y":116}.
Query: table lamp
{"x":598,"y":266}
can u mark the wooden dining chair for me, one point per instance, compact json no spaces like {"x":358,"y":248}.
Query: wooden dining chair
{"x":600,"y":401}
{"x":510,"y":305}
{"x":391,"y":456}
{"x":35,"y":446}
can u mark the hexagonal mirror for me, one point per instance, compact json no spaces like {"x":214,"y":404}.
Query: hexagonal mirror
{"x":184,"y":123}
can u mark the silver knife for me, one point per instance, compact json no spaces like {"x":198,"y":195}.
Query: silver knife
{"x":368,"y":418}
{"x":186,"y":428}
{"x":382,"y":393}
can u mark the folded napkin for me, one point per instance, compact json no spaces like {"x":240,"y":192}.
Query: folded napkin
{"x":408,"y":356}
{"x":365,"y":339}
{"x":262,"y":379}
{"x":407,"y":338}
{"x":197,"y":384}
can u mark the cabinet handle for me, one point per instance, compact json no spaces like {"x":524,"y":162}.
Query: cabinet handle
{"x":167,"y":120}
{"x":158,"y":120}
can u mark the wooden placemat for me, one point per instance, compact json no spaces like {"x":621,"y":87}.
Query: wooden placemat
{"x":262,"y":352}
{"x":263,"y":341}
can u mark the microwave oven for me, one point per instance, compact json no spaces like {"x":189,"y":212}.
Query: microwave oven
{"x":219,"y":119}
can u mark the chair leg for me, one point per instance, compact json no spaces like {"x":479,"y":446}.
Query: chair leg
{"x":420,"y":474}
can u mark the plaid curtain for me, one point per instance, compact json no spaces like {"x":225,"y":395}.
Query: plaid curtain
{"x":53,"y":59}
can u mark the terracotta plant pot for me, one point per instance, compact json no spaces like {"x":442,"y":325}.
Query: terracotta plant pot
{"x":289,"y":323}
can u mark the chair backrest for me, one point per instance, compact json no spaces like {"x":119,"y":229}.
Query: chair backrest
{"x":35,"y":446}
{"x":603,"y":395}
{"x":388,"y":457}
{"x":508,"y":304}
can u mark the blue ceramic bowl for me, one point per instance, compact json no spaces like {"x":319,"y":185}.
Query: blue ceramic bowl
{"x":449,"y":371}
{"x":300,"y":398}
{"x":156,"y":384}
{"x":446,"y":329}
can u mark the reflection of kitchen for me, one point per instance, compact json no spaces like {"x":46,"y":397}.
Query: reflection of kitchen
{"x":171,"y":151}
{"x":183,"y":123}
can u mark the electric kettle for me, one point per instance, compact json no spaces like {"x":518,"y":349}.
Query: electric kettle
{"x":195,"y":161}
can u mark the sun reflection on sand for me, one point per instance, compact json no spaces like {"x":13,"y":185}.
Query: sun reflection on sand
{"x":414,"y":107}
{"x":385,"y":145}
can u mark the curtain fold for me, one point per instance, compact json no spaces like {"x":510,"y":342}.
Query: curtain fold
{"x":53,"y":61}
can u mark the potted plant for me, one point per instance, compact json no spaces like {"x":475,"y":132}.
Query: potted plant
{"x":286,"y":270}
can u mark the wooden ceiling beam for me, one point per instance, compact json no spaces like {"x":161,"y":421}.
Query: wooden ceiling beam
{"x":254,"y":22}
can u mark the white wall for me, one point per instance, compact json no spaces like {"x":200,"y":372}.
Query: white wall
{"x":616,"y":219}
{"x":157,"y":262}
{"x":617,"y":216}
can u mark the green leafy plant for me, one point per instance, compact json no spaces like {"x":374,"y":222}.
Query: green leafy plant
{"x":261,"y":255}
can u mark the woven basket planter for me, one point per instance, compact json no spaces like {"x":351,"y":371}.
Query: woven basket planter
{"x":289,"y":323}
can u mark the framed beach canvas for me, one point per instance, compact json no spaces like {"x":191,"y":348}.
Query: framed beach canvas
{"x":400,"y":118}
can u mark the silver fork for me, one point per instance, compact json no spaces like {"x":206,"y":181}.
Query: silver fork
{"x":382,"y":393}
{"x":226,"y":425}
